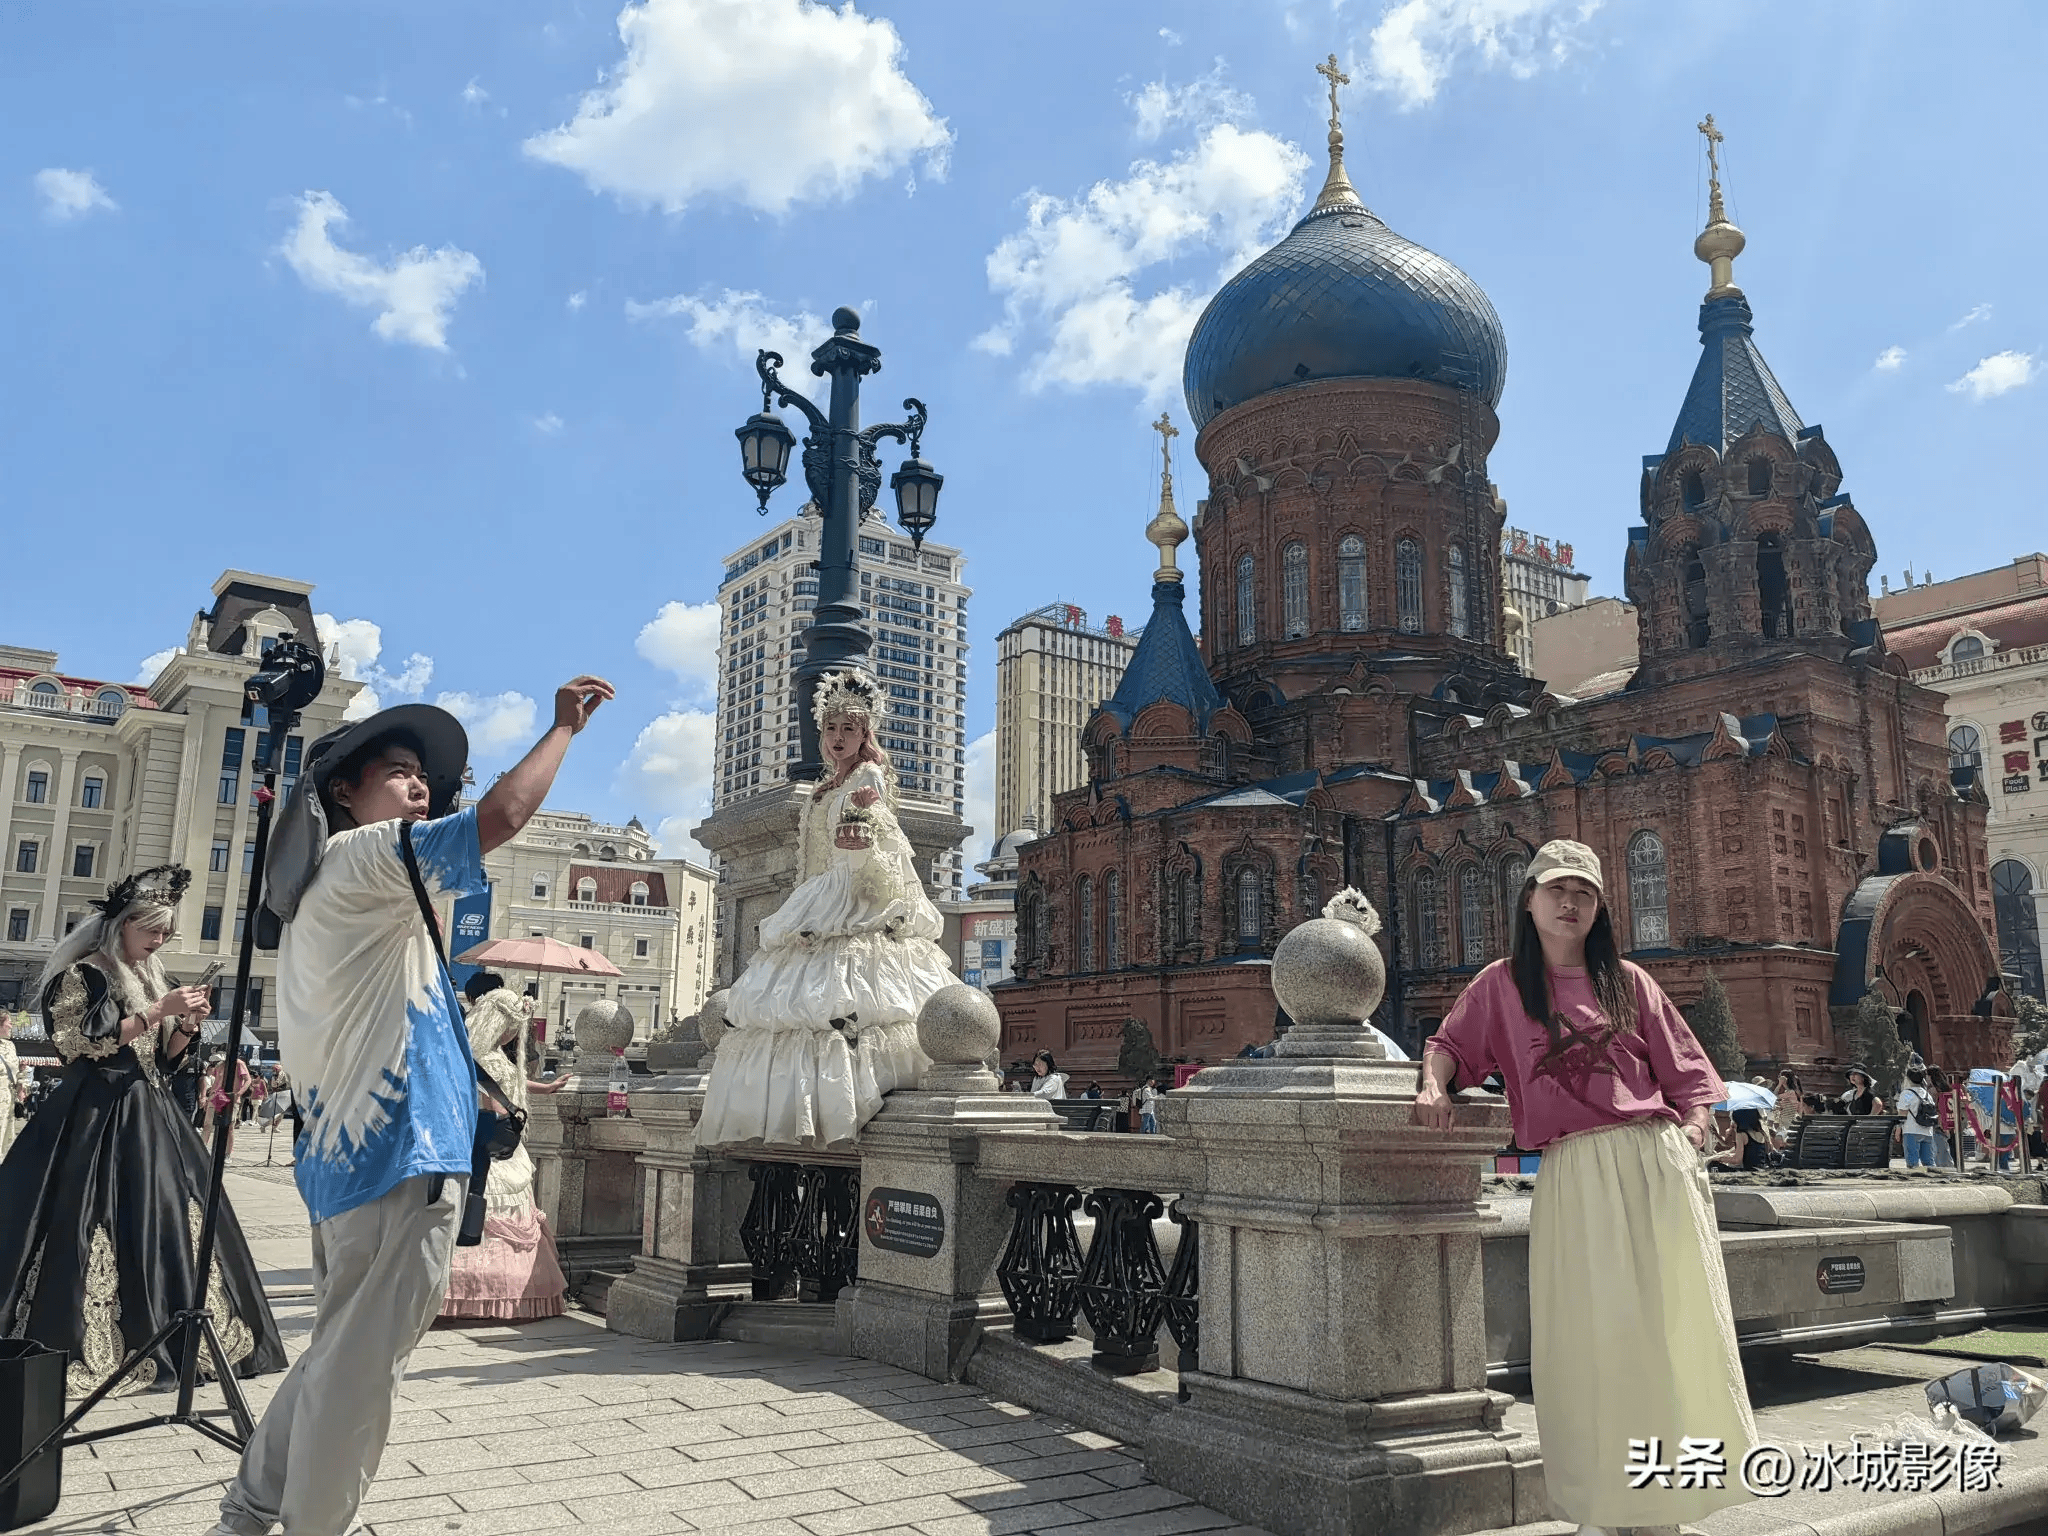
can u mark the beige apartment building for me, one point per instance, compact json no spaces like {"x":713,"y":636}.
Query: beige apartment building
{"x":601,"y":887}
{"x":105,"y":778}
{"x":1538,"y":580}
{"x":1052,"y":668}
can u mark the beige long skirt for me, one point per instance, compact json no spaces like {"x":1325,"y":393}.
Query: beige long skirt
{"x":1632,"y":1337}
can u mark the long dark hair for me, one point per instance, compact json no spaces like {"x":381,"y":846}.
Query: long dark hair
{"x":1613,"y":988}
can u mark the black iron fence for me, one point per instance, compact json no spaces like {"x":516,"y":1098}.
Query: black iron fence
{"x":801,"y":1231}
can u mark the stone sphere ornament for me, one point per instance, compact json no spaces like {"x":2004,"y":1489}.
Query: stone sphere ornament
{"x":711,"y":1025}
{"x":1329,"y":975}
{"x":603,"y":1027}
{"x":959,"y":1026}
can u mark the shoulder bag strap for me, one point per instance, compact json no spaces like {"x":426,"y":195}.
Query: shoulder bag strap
{"x":419,"y":891}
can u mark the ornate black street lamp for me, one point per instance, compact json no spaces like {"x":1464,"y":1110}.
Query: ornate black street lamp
{"x":840,"y":468}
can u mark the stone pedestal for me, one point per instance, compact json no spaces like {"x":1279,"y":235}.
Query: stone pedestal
{"x":1342,"y":1385}
{"x":691,"y":1203}
{"x":923,"y":1310}
{"x":586,"y":1180}
{"x":755,"y":841}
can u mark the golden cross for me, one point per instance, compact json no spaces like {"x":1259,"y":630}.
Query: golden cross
{"x":1336,"y":77}
{"x":1714,"y":136}
{"x":1167,"y":433}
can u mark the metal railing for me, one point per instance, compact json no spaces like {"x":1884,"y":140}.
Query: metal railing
{"x":76,"y":702}
{"x":801,"y":1231}
{"x":1977,"y":665}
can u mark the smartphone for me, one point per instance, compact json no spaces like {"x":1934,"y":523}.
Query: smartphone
{"x":210,"y":972}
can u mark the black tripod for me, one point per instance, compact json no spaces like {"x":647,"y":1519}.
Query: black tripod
{"x":289,"y":679}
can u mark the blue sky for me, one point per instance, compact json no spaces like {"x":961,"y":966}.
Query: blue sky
{"x":449,"y":308}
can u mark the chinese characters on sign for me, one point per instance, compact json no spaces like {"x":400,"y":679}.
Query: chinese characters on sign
{"x":905,"y":1221}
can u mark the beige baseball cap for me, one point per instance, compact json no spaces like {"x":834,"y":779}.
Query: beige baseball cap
{"x":1561,"y":858}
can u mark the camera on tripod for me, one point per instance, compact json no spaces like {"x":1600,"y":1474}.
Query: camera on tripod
{"x":289,"y":679}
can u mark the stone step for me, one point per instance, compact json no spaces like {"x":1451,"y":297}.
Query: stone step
{"x":812,"y":1325}
{"x":592,"y":1295}
{"x":1058,"y":1380}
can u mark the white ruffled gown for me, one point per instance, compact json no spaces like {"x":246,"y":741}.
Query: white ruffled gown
{"x":823,"y":1021}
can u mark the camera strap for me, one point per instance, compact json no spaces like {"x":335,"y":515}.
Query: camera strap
{"x":419,"y":891}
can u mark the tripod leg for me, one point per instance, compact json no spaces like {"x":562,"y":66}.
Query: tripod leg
{"x":230,"y":1386}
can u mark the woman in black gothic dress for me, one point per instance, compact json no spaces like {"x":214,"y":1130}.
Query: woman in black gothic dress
{"x":103,"y":1192}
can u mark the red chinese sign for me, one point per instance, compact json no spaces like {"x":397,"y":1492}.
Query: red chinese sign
{"x":1115,"y":626}
{"x":2012,"y":730}
{"x":1564,"y":555}
{"x":2015,"y":762}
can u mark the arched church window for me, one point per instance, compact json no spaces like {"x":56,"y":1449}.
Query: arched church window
{"x":1513,"y":875}
{"x":1425,"y":942}
{"x":1294,"y":590}
{"x":1695,"y":599}
{"x":1649,"y":897}
{"x":1965,"y":748}
{"x":1351,"y":582}
{"x":1084,"y":925}
{"x":1773,"y":589}
{"x":1969,"y":648}
{"x":1408,"y":585}
{"x":2019,"y":924}
{"x":1461,"y":605}
{"x":1112,"y":921}
{"x":1759,"y":477}
{"x":1247,"y":601}
{"x":1694,"y":489}
{"x":1190,"y":907}
{"x":1251,"y":915}
{"x":1471,"y":918}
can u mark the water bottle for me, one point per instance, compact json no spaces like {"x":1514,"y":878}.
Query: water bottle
{"x":615,"y":1090}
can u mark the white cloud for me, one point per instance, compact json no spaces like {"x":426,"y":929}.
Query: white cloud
{"x":360,"y":643}
{"x":414,"y":293}
{"x":1980,"y":312}
{"x":146,"y":670}
{"x":71,"y":194}
{"x":683,"y":638}
{"x":1890,"y":360}
{"x":1172,"y":38}
{"x":578,"y":299}
{"x":1202,"y":101}
{"x":669,"y":768}
{"x":474,"y":95}
{"x":766,"y":102}
{"x":1073,"y":279}
{"x":1417,"y":43}
{"x":548,"y":424}
{"x":496,"y":722}
{"x":742,"y":324}
{"x":980,"y":801}
{"x":1995,"y":375}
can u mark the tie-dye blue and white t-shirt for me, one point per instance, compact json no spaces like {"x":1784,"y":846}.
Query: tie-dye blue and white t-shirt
{"x":367,"y":1023}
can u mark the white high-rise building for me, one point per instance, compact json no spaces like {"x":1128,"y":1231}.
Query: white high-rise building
{"x":916,"y":606}
{"x":1052,"y":669}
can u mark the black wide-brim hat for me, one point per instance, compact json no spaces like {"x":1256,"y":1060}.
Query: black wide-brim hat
{"x":443,"y":743}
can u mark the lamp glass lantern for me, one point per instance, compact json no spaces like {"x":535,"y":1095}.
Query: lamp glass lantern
{"x":764,"y":452}
{"x":916,"y":485}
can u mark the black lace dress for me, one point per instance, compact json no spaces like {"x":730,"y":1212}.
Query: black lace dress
{"x":101,"y":1198}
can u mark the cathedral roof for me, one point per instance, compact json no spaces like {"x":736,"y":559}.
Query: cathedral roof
{"x":1167,"y":667}
{"x":1733,"y":389}
{"x":1342,"y":297}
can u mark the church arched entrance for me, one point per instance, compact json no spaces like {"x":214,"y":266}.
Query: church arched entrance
{"x":1913,"y":1024}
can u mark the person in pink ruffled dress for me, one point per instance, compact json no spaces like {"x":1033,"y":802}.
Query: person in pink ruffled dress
{"x":513,"y":1275}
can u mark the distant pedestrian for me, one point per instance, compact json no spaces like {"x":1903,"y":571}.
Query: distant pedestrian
{"x":1147,"y":1100}
{"x":1916,"y":1131}
{"x":1092,"y":1091}
{"x":1858,"y":1098}
{"x":1047,"y":1081}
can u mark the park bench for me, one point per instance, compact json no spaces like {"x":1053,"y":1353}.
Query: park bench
{"x":1841,"y":1141}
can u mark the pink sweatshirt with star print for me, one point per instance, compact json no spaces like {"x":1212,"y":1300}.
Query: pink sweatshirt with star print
{"x":1654,"y":1071}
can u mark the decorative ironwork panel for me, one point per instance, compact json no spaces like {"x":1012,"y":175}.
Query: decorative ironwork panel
{"x":768,"y":1230}
{"x":1123,"y":1281}
{"x":1040,"y":1270}
{"x":825,"y":1247}
{"x":1182,"y":1300}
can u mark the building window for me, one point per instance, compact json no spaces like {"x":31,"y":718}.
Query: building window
{"x":217,"y":860}
{"x":1696,"y":625}
{"x":1969,"y":648}
{"x":586,"y":889}
{"x":1425,"y":945}
{"x":1965,"y":748}
{"x":1351,"y":582}
{"x":2019,"y":925}
{"x":1514,"y":874}
{"x":588,"y":940}
{"x":639,"y":894}
{"x":1190,"y":885}
{"x":1084,"y":925}
{"x":82,"y":858}
{"x":241,"y":918}
{"x":1112,"y":920}
{"x":26,"y":856}
{"x":1759,"y":477}
{"x":1461,"y":608}
{"x":231,"y":747}
{"x":1773,"y":588}
{"x":639,"y":949}
{"x":209,"y":923}
{"x":1251,"y":914}
{"x":1648,"y":892}
{"x":1693,"y":489}
{"x":540,"y":888}
{"x":1408,"y":585}
{"x":1294,"y":590}
{"x":1247,"y":601}
{"x":230,"y":788}
{"x":17,"y":925}
{"x":92,"y":792}
{"x":1471,"y":918}
{"x":38,"y":786}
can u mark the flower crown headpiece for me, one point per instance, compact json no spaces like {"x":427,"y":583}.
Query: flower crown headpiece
{"x":166,"y":883}
{"x":844,"y":693}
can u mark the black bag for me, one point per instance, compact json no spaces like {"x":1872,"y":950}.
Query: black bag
{"x":1924,"y":1113}
{"x":497,"y":1135}
{"x":31,"y":1406}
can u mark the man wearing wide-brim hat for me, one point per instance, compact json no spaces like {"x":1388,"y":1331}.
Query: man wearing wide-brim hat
{"x":373,"y":1039}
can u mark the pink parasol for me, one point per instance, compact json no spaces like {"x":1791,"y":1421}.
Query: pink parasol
{"x":539,"y":955}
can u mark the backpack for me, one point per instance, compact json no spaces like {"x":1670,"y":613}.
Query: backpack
{"x":1923,"y":1111}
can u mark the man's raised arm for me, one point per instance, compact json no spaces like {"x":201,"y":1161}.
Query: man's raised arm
{"x":510,"y":803}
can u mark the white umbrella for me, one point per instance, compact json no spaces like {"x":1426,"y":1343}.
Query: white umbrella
{"x":1749,"y":1096}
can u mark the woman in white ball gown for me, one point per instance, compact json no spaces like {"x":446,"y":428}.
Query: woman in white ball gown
{"x":823,"y":1021}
